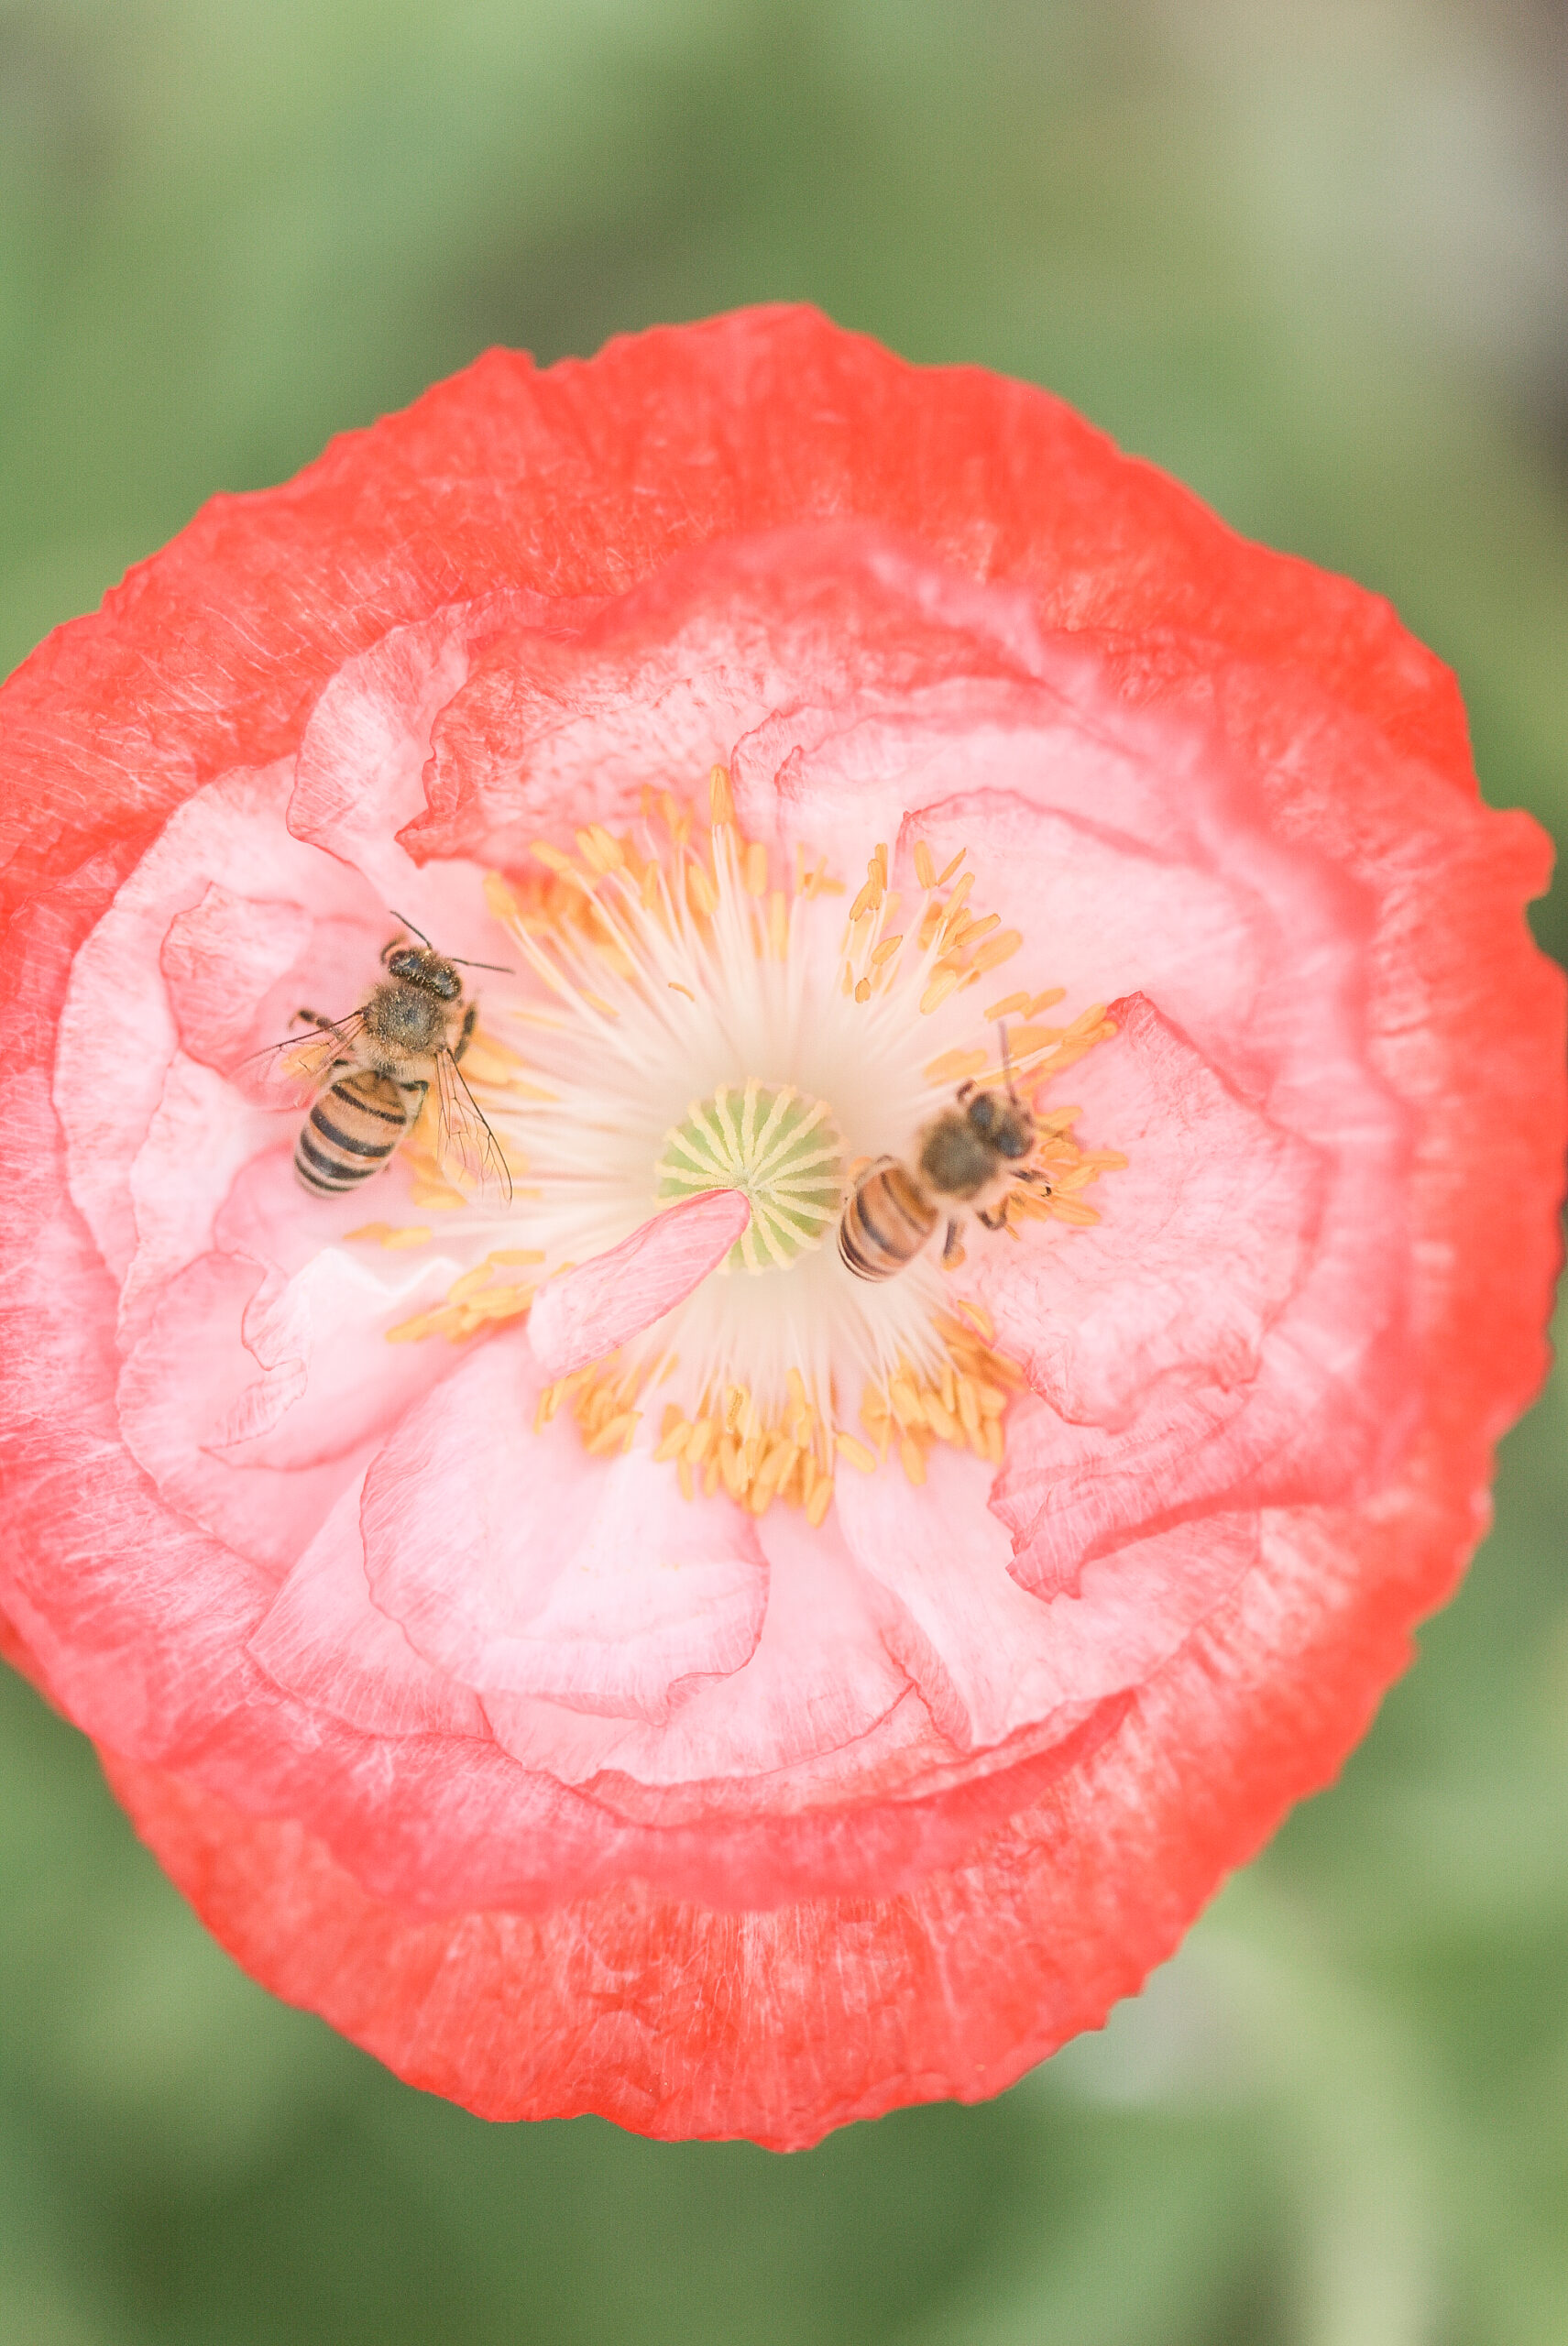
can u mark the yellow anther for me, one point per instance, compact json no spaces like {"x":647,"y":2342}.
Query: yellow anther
{"x":941,"y":1420}
{"x":863,"y":990}
{"x":953,"y":1066}
{"x":971,"y":931}
{"x":499,"y":1303}
{"x":675,"y":987}
{"x":720,"y":800}
{"x":912,"y":1458}
{"x":885,"y":950}
{"x":944,"y":983}
{"x":1068,"y":1210}
{"x":756,"y":869}
{"x":821,"y":1500}
{"x":616,"y":1431}
{"x":778,"y":925}
{"x":905,"y":1401}
{"x":731,"y":1466}
{"x":997,"y":949}
{"x":469,"y":1284}
{"x":943,"y":877}
{"x":553,"y":858}
{"x":925,"y":870}
{"x":1012,"y":1005}
{"x":856,"y":1452}
{"x":599,"y":849}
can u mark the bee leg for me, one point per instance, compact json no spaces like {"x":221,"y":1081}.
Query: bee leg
{"x":994,"y":1217}
{"x":1036,"y":1182}
{"x":315,"y":1018}
{"x":469,"y":1018}
{"x":962,"y":1093}
{"x":953,"y":1250}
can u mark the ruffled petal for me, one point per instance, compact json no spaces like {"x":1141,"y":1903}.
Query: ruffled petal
{"x":797,"y":1722}
{"x":322,"y":1639}
{"x":250,"y":1396}
{"x":117,"y":1032}
{"x":521,"y":1564}
{"x":989,"y":1659}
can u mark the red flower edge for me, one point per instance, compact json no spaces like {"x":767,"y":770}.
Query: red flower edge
{"x":670,"y":2017}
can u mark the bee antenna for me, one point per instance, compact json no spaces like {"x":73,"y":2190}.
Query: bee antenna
{"x":408,"y":923}
{"x":505,"y":967}
{"x":1006,"y":1060}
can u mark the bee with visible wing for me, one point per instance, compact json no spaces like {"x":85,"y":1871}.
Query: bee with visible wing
{"x":370,"y":1073}
{"x":968,"y":1157}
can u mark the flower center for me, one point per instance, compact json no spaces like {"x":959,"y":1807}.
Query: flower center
{"x":777,"y":1146}
{"x":705,"y":1014}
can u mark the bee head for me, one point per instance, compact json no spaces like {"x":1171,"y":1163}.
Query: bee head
{"x":1004,"y":1124}
{"x":417,"y":965}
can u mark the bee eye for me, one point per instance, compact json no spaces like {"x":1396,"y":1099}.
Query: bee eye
{"x":1013,"y":1139}
{"x":448,"y":985}
{"x":982,"y":1113}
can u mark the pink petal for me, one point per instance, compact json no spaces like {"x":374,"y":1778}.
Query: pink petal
{"x":684,"y":665}
{"x":1233,"y":1329}
{"x":990,"y":1660}
{"x":519,"y":1564}
{"x":589,"y":1312}
{"x":249,"y":1395}
{"x":322,"y":1639}
{"x":1205,"y":1236}
{"x":818,"y":1684}
{"x":116,"y":1034}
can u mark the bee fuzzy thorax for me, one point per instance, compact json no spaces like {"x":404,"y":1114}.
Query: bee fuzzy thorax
{"x":695,"y":1010}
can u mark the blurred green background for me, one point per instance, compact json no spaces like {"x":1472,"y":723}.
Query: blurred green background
{"x":1314,"y":258}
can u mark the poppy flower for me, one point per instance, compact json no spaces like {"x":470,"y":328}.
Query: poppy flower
{"x":933,"y":1334}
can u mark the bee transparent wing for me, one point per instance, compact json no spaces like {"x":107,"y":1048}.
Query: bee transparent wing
{"x":465,"y":1144}
{"x":291,"y":1072}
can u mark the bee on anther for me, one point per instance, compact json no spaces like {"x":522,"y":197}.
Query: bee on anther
{"x":968,"y":1158}
{"x":368,"y":1076}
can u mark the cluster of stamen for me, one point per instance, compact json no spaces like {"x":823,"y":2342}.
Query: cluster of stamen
{"x":658,"y":958}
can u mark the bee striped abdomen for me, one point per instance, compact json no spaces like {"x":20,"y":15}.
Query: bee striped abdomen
{"x":352,"y":1130}
{"x":885,"y":1223}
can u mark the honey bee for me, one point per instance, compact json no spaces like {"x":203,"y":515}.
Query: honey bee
{"x":968,"y":1157}
{"x":369,"y":1075}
